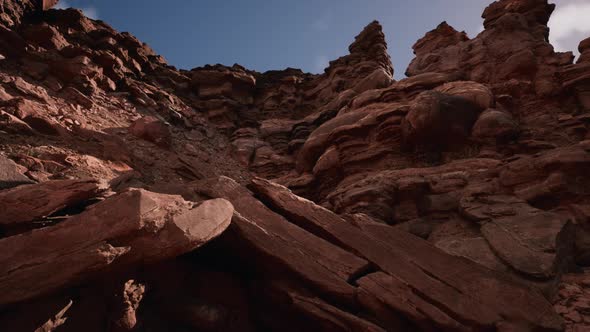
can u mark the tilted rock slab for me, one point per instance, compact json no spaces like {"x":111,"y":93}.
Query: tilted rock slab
{"x":275,"y":242}
{"x":134,"y":227}
{"x":536,"y":243}
{"x":418,"y":281}
{"x":30,"y":202}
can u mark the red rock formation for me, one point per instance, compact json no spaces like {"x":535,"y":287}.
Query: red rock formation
{"x":455,"y":199}
{"x":142,"y":226}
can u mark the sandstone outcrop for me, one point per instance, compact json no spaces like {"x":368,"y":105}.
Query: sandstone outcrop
{"x":135,"y":196}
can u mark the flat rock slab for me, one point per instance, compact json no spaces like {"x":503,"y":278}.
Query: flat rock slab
{"x":476,"y":249}
{"x":539,"y":245}
{"x":328,"y":317}
{"x":306,"y":311}
{"x":448,"y":292}
{"x":134,"y":227}
{"x":11,"y":175}
{"x":389,"y":297}
{"x":32,"y":202}
{"x":277,"y":242}
{"x":536,"y":243}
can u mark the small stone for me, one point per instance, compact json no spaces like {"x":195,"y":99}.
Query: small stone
{"x":573,"y":316}
{"x":152,"y":129}
{"x":560,"y":309}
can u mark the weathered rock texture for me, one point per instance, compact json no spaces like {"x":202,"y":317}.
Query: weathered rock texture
{"x":455,"y":199}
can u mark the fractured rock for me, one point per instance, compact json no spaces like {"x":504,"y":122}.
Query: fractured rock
{"x":324,"y":266}
{"x":11,"y":174}
{"x":533,"y":242}
{"x":485,"y":298}
{"x":135,"y":227}
{"x":31,"y":202}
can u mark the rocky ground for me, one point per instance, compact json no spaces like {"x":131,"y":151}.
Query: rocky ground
{"x":138,"y":197}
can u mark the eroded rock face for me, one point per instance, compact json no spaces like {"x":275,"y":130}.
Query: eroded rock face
{"x":398,"y":254}
{"x":575,"y":77}
{"x":13,"y":12}
{"x":454,"y":199}
{"x":439,"y":120}
{"x":513,"y":46}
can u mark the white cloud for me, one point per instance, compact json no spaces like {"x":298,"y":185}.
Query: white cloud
{"x":569,"y":25}
{"x":320,"y":63}
{"x":90,"y":11}
{"x":62,"y":4}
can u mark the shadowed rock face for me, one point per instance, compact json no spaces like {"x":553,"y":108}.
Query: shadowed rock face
{"x":138,"y":197}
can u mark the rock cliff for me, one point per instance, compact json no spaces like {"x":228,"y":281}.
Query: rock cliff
{"x":135,"y":196}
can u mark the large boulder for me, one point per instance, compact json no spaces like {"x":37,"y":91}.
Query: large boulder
{"x":584,"y":49}
{"x":496,"y":126}
{"x":11,"y":174}
{"x":438,"y":120}
{"x":152,"y":129}
{"x":478,"y":93}
{"x":135,"y":227}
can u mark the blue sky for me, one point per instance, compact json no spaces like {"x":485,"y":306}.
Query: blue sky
{"x":306,"y":34}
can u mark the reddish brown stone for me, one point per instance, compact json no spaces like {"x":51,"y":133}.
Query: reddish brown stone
{"x":33,"y":202}
{"x":153,"y":130}
{"x":11,"y":175}
{"x":487,"y":298}
{"x":278,"y":239}
{"x":488,"y":172}
{"x":47,"y":4}
{"x":131,"y":228}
